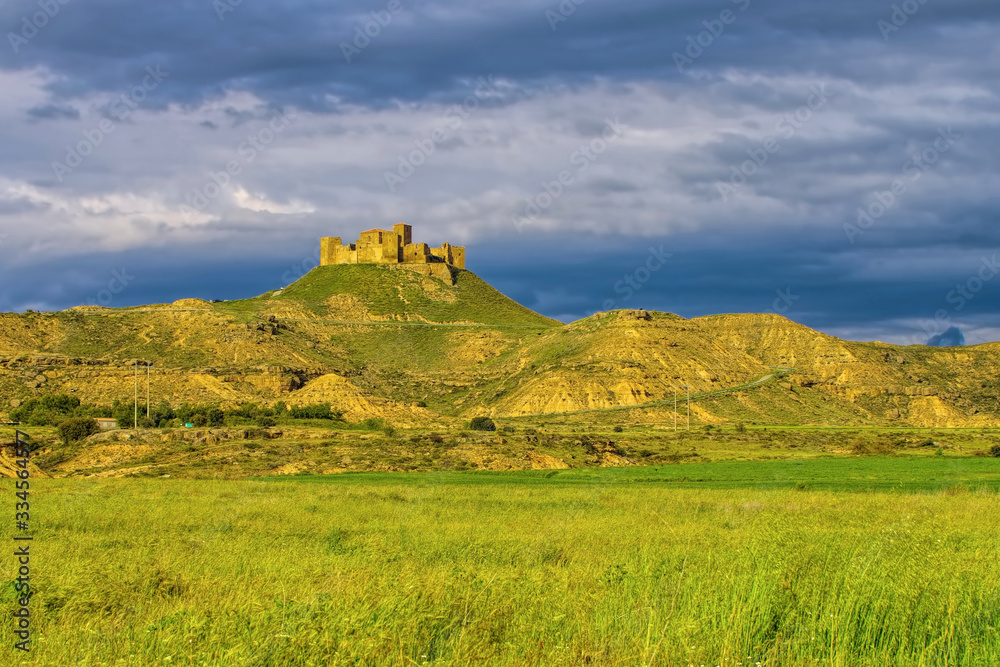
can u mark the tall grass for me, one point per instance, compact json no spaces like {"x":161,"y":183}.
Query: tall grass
{"x":157,"y":572}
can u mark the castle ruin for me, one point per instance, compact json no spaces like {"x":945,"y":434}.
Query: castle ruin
{"x":394,"y":248}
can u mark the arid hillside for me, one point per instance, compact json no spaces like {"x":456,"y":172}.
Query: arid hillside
{"x":412,"y":349}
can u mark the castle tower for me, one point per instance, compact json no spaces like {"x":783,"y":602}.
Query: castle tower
{"x":405,"y":232}
{"x":328,"y":247}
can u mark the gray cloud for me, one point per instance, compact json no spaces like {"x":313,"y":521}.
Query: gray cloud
{"x":952,"y":337}
{"x":783,"y":229}
{"x":53,"y":112}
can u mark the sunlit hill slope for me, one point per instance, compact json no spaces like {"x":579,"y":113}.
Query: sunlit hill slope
{"x":374,"y":341}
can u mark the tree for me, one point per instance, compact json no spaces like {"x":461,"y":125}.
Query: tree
{"x":215,"y":417}
{"x":482,"y":424}
{"x":77,"y":428}
{"x":124,"y":413}
{"x":162,"y":414}
{"x":46,"y":410}
{"x":317,"y":411}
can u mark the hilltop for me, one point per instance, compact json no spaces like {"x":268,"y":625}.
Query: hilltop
{"x":383,"y":341}
{"x":390,"y":293}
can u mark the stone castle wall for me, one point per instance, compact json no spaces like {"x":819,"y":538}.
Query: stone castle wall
{"x":382,"y":246}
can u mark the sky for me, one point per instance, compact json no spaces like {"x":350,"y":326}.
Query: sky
{"x":835,"y":163}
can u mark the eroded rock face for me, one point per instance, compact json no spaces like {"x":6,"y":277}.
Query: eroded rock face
{"x":9,"y":466}
{"x":385,"y":350}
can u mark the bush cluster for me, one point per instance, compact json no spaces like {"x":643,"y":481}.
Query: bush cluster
{"x":51,"y":409}
{"x":482,"y":424}
{"x":54,"y":409}
{"x":77,"y":428}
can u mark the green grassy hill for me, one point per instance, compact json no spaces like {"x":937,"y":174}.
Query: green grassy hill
{"x":374,"y":340}
{"x":369,"y":292}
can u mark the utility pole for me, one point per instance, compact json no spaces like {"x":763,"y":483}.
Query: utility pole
{"x":135,"y":417}
{"x":675,"y":408}
{"x":147,"y":387}
{"x":689,"y":405}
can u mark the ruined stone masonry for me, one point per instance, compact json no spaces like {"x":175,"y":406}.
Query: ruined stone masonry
{"x":396,"y":247}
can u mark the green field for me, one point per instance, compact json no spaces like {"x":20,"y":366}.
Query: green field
{"x":730,"y":563}
{"x":829,"y":474}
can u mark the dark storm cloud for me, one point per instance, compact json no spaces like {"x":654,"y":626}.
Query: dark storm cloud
{"x":752,"y":272}
{"x":292,"y":53}
{"x":138,"y":278}
{"x":691,"y":277}
{"x":704,"y":86}
{"x":53,"y":112}
{"x":953,"y":337}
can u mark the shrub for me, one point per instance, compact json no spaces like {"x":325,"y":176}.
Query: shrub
{"x":389,"y":430}
{"x":617,"y":429}
{"x":741,"y":428}
{"x":318,"y":411}
{"x":265,"y":421}
{"x":482,"y":424}
{"x":373,"y":424}
{"x":995,"y":451}
{"x":45,"y":410}
{"x":215,"y":417}
{"x":162,"y":414}
{"x":77,"y":428}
